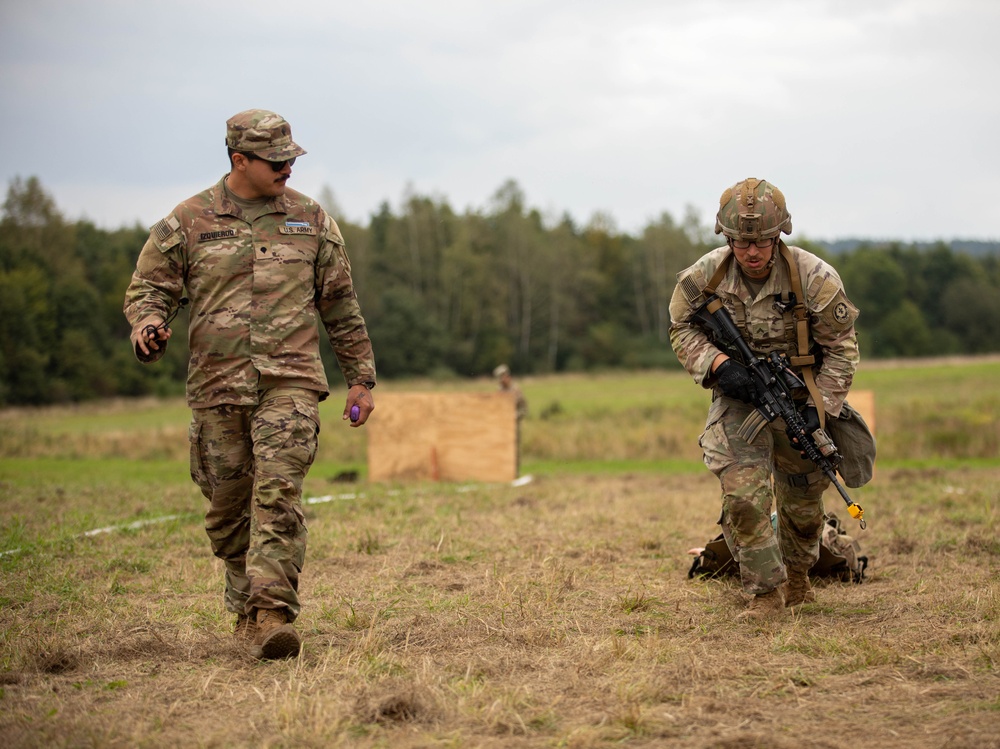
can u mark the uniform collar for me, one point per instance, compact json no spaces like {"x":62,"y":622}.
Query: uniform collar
{"x":776,"y":282}
{"x":223,"y":206}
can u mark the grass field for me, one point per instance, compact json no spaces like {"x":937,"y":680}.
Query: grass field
{"x":556,"y":614}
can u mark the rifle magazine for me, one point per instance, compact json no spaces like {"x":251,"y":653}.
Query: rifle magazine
{"x":752,"y":426}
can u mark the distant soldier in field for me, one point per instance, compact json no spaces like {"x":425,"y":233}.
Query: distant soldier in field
{"x":262,"y":265}
{"x":786,"y":300}
{"x":506,"y":382}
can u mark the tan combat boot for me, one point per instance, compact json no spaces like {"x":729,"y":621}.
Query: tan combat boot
{"x":797,"y":589}
{"x":276,"y":637}
{"x":245,"y":630}
{"x":763,"y":606}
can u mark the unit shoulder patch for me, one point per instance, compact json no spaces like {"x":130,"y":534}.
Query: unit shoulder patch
{"x":839,"y":313}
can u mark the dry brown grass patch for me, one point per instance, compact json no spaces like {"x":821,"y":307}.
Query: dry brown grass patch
{"x":556,"y":614}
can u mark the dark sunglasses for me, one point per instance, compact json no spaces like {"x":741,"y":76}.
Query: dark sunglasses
{"x":276,"y":166}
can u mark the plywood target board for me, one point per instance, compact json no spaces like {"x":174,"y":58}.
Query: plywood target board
{"x":863,"y":402}
{"x":443,"y":437}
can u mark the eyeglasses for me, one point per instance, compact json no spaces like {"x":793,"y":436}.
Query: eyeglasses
{"x":276,"y":166}
{"x":744,"y":244}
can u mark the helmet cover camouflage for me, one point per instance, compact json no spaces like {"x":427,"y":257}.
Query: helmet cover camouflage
{"x":262,"y":133}
{"x":752,"y":209}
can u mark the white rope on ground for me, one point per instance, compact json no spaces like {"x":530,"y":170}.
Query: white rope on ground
{"x":332,"y":498}
{"x":522,"y":481}
{"x":120,"y":527}
{"x":135,"y":525}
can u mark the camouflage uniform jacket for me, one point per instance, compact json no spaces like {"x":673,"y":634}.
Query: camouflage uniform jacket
{"x":765,"y":328}
{"x":257,"y":291}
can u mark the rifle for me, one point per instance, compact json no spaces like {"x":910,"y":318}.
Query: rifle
{"x":773,"y":381}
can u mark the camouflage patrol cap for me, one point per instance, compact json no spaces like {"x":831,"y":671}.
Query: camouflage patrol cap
{"x":501,"y":370}
{"x":262,"y":133}
{"x":752,"y":209}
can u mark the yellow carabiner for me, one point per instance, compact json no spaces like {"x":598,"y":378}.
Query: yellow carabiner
{"x":857,"y":513}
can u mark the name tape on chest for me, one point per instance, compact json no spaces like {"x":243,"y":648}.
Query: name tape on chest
{"x":211,"y":236}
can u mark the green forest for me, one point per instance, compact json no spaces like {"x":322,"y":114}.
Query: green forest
{"x":449,"y":294}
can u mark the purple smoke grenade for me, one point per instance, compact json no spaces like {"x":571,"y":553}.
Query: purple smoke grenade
{"x":355,"y":413}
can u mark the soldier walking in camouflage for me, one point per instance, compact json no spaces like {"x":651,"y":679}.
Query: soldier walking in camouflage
{"x":758,"y":462}
{"x":262,"y":266}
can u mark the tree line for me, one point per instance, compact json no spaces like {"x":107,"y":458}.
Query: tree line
{"x":449,"y":294}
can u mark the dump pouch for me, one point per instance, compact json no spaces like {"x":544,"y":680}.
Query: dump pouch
{"x":856,"y":445}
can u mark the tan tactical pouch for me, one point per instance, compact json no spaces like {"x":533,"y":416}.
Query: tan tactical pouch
{"x":855,"y":443}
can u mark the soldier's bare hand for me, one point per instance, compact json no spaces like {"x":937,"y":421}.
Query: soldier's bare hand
{"x":150,"y":336}
{"x":359,"y":400}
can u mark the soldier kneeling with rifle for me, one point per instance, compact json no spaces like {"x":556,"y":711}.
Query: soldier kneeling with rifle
{"x":772,"y":335}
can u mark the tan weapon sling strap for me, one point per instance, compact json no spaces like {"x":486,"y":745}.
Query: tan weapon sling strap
{"x":804,"y":360}
{"x":800,"y":315}
{"x":716,"y":279}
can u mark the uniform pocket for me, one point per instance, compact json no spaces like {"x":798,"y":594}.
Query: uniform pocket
{"x":287,"y":427}
{"x":198,"y":474}
{"x":713,"y":440}
{"x":305,"y":431}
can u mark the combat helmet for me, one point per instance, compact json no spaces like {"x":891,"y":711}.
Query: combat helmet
{"x":752,"y":209}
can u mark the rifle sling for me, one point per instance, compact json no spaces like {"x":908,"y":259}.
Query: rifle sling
{"x":719,"y":274}
{"x":800,"y":314}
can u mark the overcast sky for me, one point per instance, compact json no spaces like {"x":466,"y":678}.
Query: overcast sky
{"x":876,"y":118}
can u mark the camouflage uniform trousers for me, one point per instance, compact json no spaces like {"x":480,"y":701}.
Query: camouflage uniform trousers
{"x":745,"y":472}
{"x":249,"y":462}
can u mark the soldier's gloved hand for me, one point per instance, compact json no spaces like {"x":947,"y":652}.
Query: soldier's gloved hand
{"x":735,"y":380}
{"x":811,"y":418}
